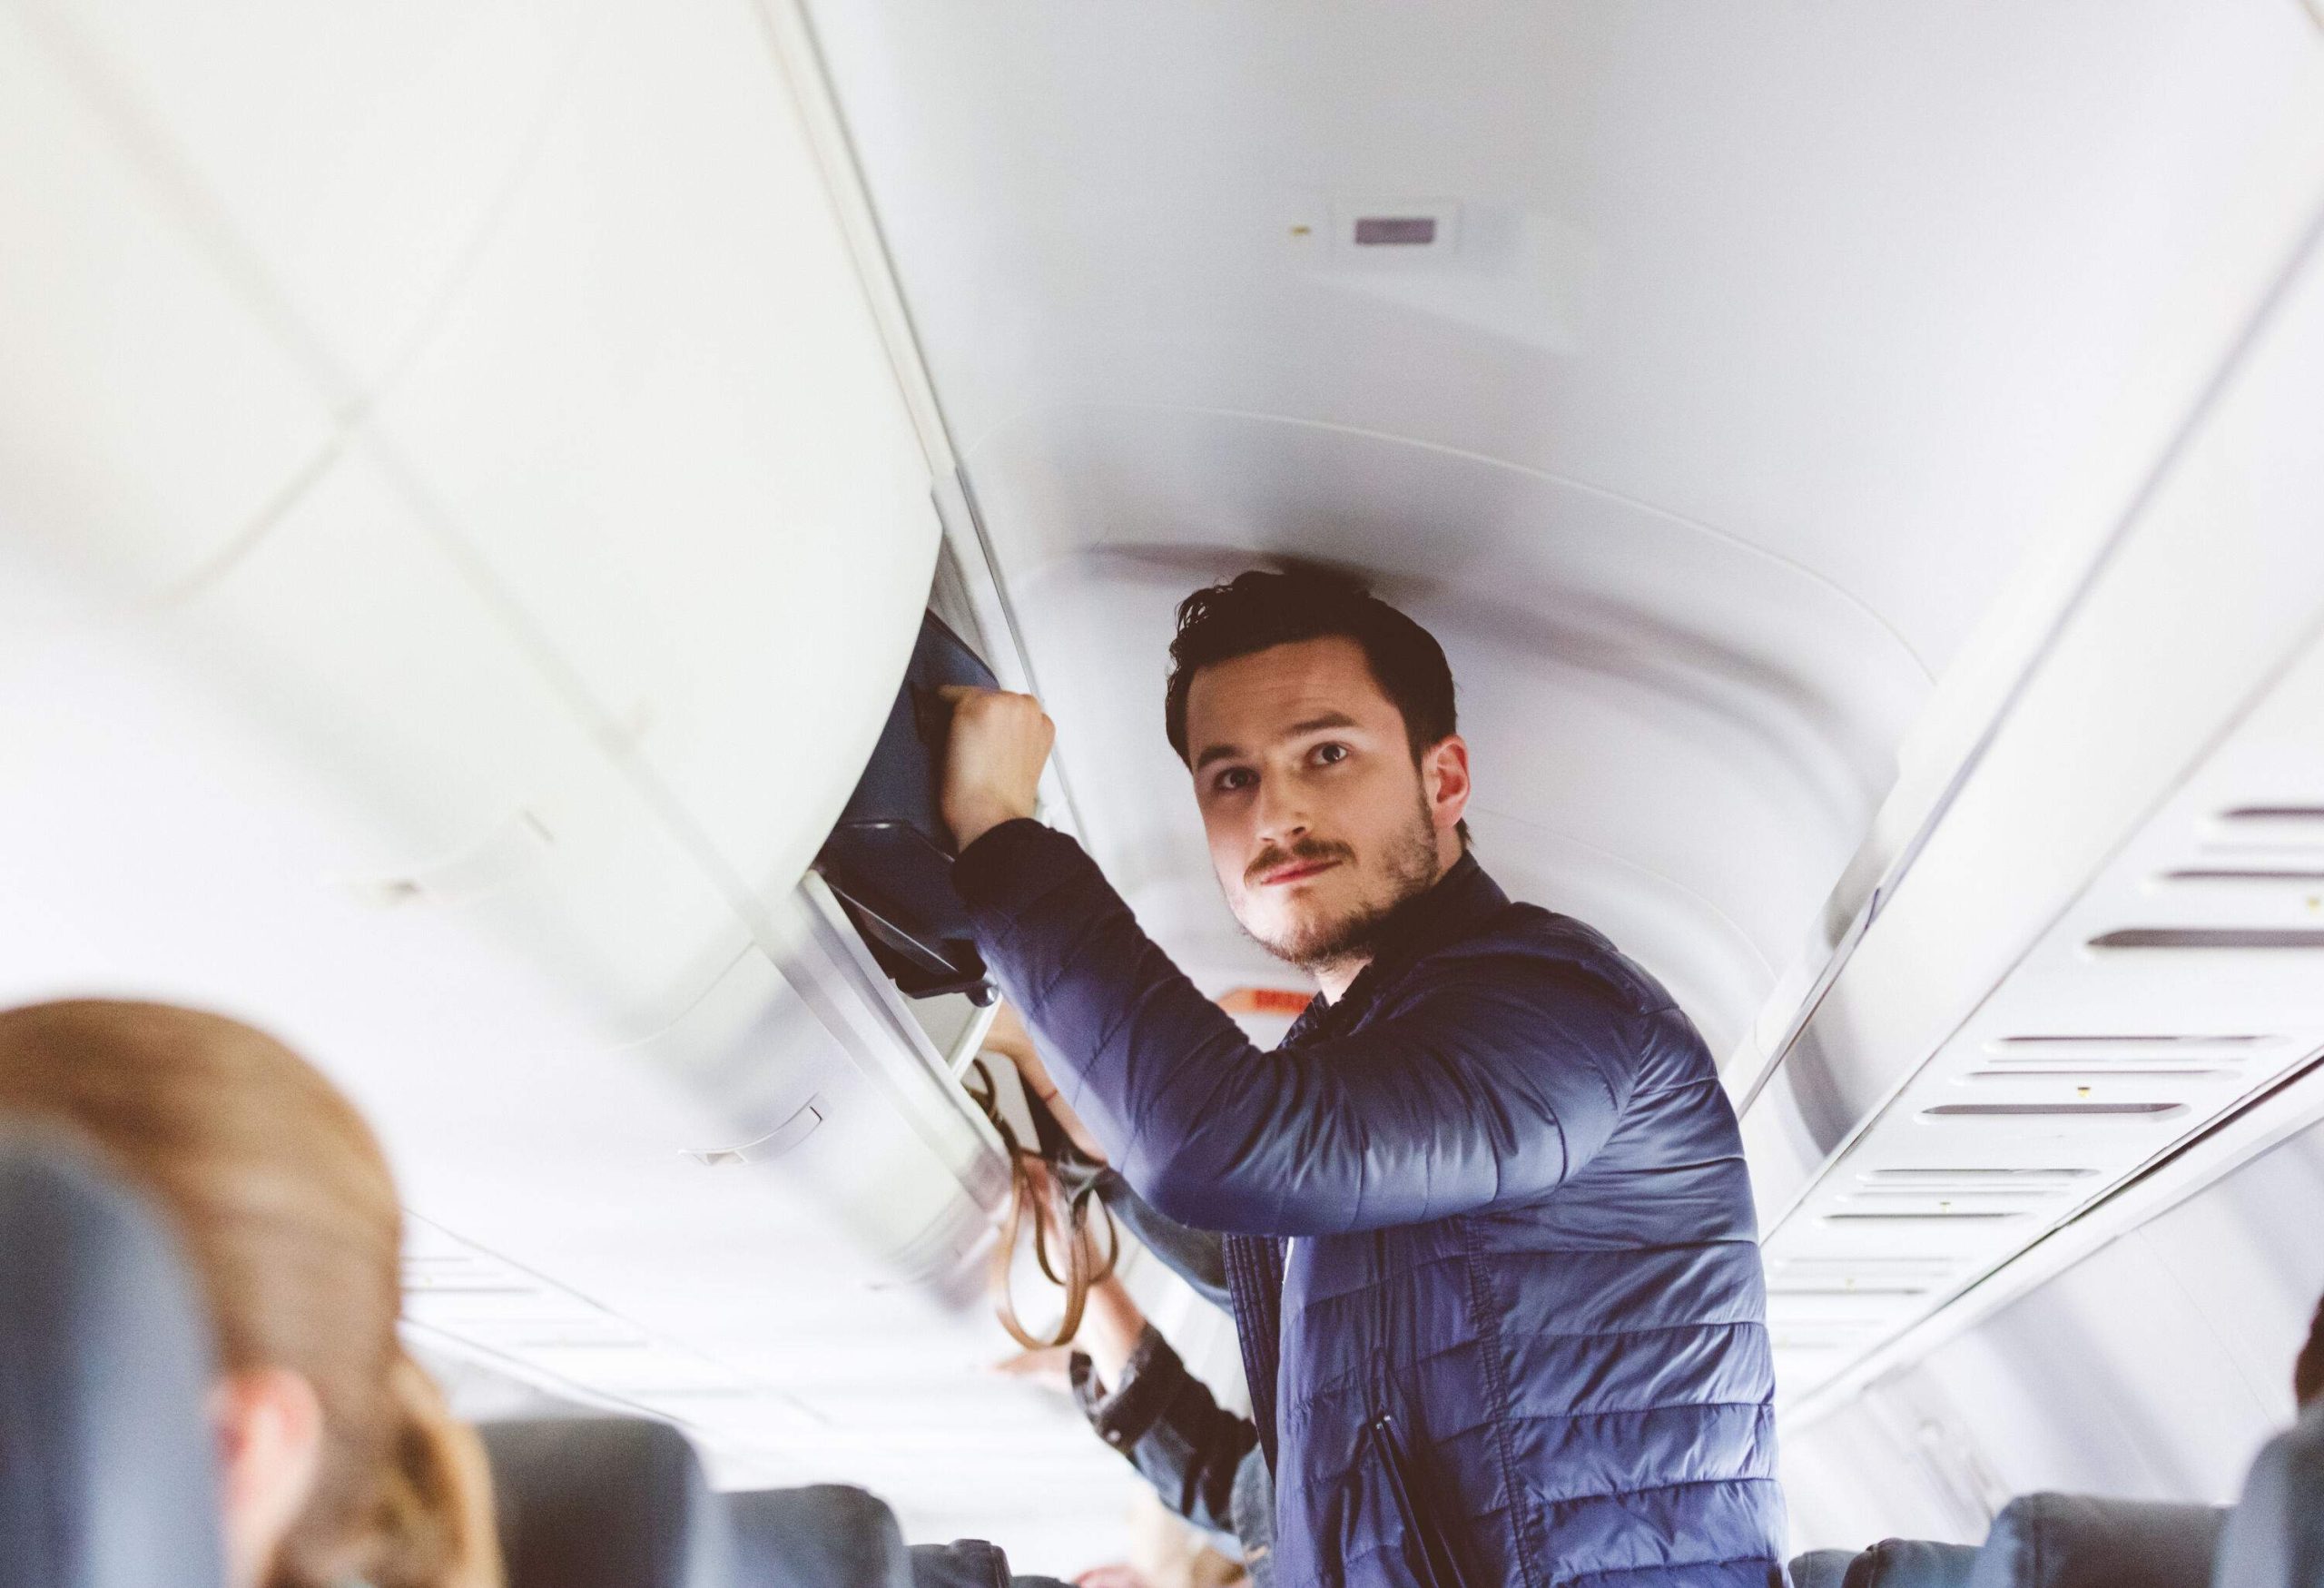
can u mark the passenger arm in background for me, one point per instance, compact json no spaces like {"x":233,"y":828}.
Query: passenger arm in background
{"x":1194,"y":1254}
{"x":1009,"y":1038}
{"x":1140,"y":1399}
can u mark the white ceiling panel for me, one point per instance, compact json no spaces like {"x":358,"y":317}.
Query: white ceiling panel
{"x":1755,"y":347}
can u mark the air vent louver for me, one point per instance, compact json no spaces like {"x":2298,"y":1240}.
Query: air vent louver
{"x":1847,"y":1290}
{"x":2211,"y":937}
{"x":2227,"y":874}
{"x":2131,"y":1066}
{"x":2061,"y":1110}
{"x":1395,"y":230}
{"x":2086,"y":1040}
{"x":1926,"y":1215}
{"x":1980,"y":1174}
{"x":2096,"y":1057}
{"x":1950,"y":1194}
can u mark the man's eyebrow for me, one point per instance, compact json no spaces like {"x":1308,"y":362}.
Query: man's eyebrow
{"x":1216,"y":752}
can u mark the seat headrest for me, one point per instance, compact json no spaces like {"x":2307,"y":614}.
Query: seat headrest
{"x":106,"y":1460}
{"x":824,"y":1536}
{"x":605,"y":1502}
{"x":1821,"y":1568}
{"x":2078,"y":1541}
{"x":1912,"y":1562}
{"x":2274,"y":1538}
{"x":969,"y":1562}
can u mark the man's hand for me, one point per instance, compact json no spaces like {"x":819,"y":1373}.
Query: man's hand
{"x":993,"y":765}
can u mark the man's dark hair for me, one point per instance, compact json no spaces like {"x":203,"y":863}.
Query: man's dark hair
{"x":1257,"y":610}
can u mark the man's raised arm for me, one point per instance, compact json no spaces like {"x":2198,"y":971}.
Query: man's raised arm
{"x":1479,"y":1085}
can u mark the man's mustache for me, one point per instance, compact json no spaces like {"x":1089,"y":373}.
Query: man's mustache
{"x":1306,"y":851}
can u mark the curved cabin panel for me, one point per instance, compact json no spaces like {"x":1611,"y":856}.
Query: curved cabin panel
{"x":1700,"y":379}
{"x":464,"y":509}
{"x":556,"y":311}
{"x":471,"y":476}
{"x":1857,"y":470}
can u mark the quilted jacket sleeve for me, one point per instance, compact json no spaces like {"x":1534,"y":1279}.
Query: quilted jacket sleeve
{"x":1494,"y":1076}
{"x":1194,"y":1254}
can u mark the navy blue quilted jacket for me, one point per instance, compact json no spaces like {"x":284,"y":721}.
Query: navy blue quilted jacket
{"x":1496,"y":1274}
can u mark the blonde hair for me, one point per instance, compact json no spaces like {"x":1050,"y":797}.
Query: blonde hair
{"x":285,"y":1206}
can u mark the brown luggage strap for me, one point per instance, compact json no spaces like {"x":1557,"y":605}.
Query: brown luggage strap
{"x":1064,"y":1206}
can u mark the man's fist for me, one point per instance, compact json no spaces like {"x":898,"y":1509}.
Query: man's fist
{"x":992,"y":764}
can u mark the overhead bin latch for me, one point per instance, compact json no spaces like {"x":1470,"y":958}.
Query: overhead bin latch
{"x":890,"y":859}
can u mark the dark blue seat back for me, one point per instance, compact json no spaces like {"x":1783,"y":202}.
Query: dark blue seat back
{"x":2080,"y":1541}
{"x":969,"y":1562}
{"x":1912,"y":1562}
{"x":823,"y":1536}
{"x":828,"y":1535}
{"x":605,"y":1502}
{"x":107,"y":1473}
{"x":1821,"y":1568}
{"x":2275,"y":1536}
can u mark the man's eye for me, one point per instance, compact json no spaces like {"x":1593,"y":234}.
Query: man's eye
{"x":1330,"y":753}
{"x":1234,"y":778}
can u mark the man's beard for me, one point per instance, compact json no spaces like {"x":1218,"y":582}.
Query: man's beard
{"x":1409,"y":863}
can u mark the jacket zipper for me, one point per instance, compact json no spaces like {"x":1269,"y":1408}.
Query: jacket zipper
{"x":1429,"y":1554}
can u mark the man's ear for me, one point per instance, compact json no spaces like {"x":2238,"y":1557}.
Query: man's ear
{"x":270,"y":1428}
{"x":1444,"y":778}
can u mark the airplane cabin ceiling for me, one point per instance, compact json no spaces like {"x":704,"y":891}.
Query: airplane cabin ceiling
{"x":1757,"y":348}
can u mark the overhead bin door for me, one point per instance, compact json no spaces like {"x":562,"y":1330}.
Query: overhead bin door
{"x":492,"y":393}
{"x":485,"y":401}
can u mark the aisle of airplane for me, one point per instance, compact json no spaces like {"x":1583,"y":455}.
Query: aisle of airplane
{"x":1974,"y":643}
{"x":471,"y":478}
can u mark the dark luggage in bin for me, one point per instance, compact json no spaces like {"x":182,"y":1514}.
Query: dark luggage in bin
{"x":890,"y":859}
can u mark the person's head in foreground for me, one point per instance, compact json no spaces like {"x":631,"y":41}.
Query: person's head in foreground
{"x":337,"y":1460}
{"x":1318,"y":723}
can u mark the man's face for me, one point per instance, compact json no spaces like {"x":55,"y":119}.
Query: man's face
{"x":1319,"y":822}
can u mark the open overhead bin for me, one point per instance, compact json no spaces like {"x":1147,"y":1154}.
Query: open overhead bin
{"x":499,"y":412}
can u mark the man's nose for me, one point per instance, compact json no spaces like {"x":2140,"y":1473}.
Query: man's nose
{"x":1283,"y":817}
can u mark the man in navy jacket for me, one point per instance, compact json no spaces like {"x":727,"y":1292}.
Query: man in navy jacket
{"x":1490,"y":1243}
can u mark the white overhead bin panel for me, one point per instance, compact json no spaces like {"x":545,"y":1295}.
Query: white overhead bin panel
{"x":354,"y":633}
{"x":495,"y":388}
{"x":341,"y":160}
{"x":662,"y":416}
{"x":488,"y":400}
{"x":148,"y":412}
{"x":354,"y":154}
